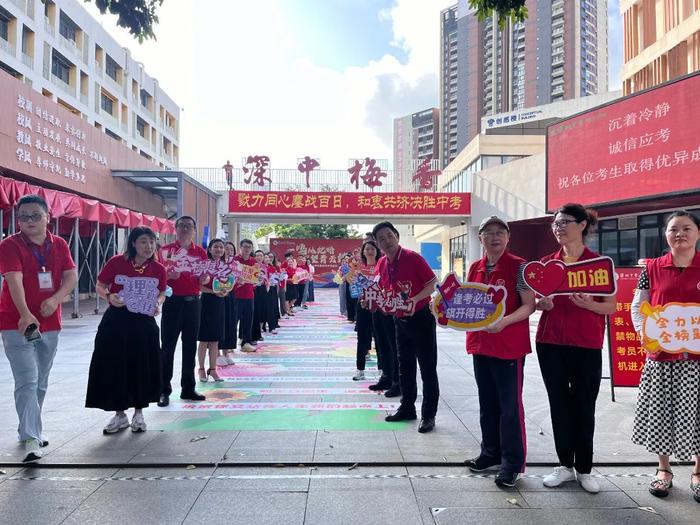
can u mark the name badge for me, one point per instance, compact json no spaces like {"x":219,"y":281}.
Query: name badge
{"x":45,"y":281}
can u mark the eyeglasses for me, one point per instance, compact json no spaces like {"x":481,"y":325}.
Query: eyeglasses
{"x":34,"y":217}
{"x":562,"y":223}
{"x":185,"y":226}
{"x":497,"y":233}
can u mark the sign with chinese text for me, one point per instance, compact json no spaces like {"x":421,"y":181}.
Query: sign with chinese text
{"x":554,"y":277}
{"x":181,"y":262}
{"x":639,"y":146}
{"x":468,"y":306}
{"x":673,"y":328}
{"x":225,"y":285}
{"x":347,"y":203}
{"x":388,"y":301}
{"x":139,"y":294}
{"x":359,"y":283}
{"x":627,"y":357}
{"x":326,"y":255}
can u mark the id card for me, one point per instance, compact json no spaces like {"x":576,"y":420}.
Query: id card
{"x":45,"y":281}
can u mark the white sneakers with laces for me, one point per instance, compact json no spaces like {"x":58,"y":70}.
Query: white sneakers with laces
{"x":137,"y":423}
{"x":559,"y":476}
{"x":117,"y":423}
{"x":359,"y":375}
{"x":32,"y":451}
{"x":588,"y":483}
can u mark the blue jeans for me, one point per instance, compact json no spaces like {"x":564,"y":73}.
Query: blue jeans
{"x":31,"y":364}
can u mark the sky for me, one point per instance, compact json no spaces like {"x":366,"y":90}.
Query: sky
{"x":290,"y":78}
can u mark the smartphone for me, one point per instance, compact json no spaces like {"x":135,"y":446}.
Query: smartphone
{"x":32,"y":333}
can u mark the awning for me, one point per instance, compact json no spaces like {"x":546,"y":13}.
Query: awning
{"x":63,"y":204}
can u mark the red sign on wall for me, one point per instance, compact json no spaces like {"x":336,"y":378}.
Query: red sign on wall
{"x":297,"y":202}
{"x":325,"y":254}
{"x":627,"y":357}
{"x":641,"y":146}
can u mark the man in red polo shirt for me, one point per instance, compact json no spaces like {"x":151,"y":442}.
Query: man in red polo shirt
{"x":245,"y":295}
{"x":408,"y":273}
{"x":38,"y":274}
{"x":181,"y":313}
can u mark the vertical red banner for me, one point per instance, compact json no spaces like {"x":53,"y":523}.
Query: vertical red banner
{"x":627,"y":357}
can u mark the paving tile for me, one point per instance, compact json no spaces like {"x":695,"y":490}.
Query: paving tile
{"x":46,"y":508}
{"x":460,"y":516}
{"x":268,"y":479}
{"x":362,"y":507}
{"x":249,"y":507}
{"x":568,"y":499}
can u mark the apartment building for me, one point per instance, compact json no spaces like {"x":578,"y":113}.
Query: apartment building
{"x":416,"y":138}
{"x":558,"y":53}
{"x":661,"y":41}
{"x":59,"y":50}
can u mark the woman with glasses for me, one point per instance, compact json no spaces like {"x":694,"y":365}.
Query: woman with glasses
{"x":569,"y":343}
{"x":667,"y":419}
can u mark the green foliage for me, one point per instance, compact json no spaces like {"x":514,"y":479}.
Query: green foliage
{"x":307,"y":231}
{"x":505,"y":9}
{"x":138,"y":16}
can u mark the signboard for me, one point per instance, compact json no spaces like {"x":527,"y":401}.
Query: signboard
{"x":348,"y":203}
{"x":627,"y":357}
{"x":469,"y":307}
{"x":388,"y":301}
{"x":554,"y":277}
{"x":673,"y":328}
{"x":139,"y":294}
{"x":637,"y":147}
{"x":326,"y":255}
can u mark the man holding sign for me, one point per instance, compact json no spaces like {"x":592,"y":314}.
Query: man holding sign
{"x":499,"y":358}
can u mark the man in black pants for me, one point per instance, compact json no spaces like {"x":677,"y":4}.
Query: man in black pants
{"x":385,"y":340}
{"x":245,"y":297}
{"x":181,"y":314}
{"x":408,"y":273}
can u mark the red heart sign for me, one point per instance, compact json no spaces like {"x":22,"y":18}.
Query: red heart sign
{"x":544,"y":278}
{"x":496,"y":295}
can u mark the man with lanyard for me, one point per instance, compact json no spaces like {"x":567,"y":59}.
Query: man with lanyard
{"x":407,"y":272}
{"x":39,"y":273}
{"x":181,"y":312}
{"x":245,"y":295}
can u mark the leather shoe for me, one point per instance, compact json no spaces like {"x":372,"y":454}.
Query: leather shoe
{"x":192,"y":396}
{"x":401,"y":415}
{"x":164,"y":400}
{"x":393,"y":392}
{"x":381,"y":385}
{"x":426,"y":425}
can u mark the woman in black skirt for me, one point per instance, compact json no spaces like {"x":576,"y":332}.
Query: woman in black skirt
{"x":272,"y":309}
{"x":229,"y":342}
{"x":260,"y":303}
{"x":212,"y":319}
{"x":125,"y":365}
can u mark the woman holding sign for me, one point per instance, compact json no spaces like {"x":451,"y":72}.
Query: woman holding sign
{"x":272,"y":310}
{"x":499,"y":358}
{"x":569,"y":342}
{"x":667,"y":419}
{"x":230,"y":340}
{"x":212,"y":321}
{"x":369,"y":254}
{"x":125,"y":365}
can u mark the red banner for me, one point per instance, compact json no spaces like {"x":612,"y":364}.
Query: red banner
{"x":324,"y":254}
{"x":627,"y":357}
{"x":341,"y":203}
{"x":593,"y":276}
{"x":640,"y":146}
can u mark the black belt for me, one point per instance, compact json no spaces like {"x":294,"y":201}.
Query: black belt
{"x":186,"y":298}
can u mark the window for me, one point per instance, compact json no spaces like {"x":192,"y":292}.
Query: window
{"x":107,"y":104}
{"x":66,"y":27}
{"x":112,"y":68}
{"x":458,"y":256}
{"x":60,"y":67}
{"x":112,"y":134}
{"x":144,"y":98}
{"x":141,"y":127}
{"x":4,"y":27}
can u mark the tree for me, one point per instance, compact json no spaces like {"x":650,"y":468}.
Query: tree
{"x":307,"y":231}
{"x":505,"y":9}
{"x":138,"y":16}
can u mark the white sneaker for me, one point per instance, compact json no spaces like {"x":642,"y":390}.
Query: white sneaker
{"x":117,"y":423}
{"x":588,"y":483}
{"x":221,"y":361}
{"x":359,"y":375}
{"x":248,"y":348}
{"x":137,"y":423}
{"x":559,"y":476}
{"x":32,"y":451}
{"x":229,"y":358}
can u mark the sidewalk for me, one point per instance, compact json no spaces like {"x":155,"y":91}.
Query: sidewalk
{"x":294,"y":403}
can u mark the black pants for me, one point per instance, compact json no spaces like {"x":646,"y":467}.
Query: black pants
{"x":245,"y":319}
{"x":416,"y":340}
{"x":572,"y":375}
{"x":385,"y":339}
{"x":501,"y":414}
{"x":364,"y":335}
{"x":350,"y":303}
{"x":311,"y":297}
{"x":180,"y":316}
{"x":281,"y":292}
{"x":272,"y":309}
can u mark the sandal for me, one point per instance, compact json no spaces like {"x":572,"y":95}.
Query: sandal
{"x":660,"y":487}
{"x":202,"y":375}
{"x":695,"y":487}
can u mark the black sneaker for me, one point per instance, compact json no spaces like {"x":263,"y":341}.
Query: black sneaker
{"x":507,"y":479}
{"x":393,"y":392}
{"x":401,"y":415}
{"x":481,"y":464}
{"x":164,"y":400}
{"x":381,"y":385}
{"x":192,"y":396}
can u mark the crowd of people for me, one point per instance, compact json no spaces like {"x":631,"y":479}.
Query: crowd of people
{"x":132,"y":361}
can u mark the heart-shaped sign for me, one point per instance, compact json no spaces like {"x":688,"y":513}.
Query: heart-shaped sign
{"x":544,"y":278}
{"x":496,"y":295}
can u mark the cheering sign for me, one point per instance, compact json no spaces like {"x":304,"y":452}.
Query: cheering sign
{"x":468,"y":306}
{"x":139,"y":294}
{"x":672,"y":328}
{"x":388,"y":301}
{"x":300,"y":275}
{"x":223,"y":286}
{"x":593,"y":277}
{"x":181,"y":262}
{"x":248,"y":275}
{"x":360,"y":283}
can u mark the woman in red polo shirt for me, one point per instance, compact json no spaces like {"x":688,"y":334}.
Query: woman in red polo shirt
{"x":667,"y":419}
{"x":369,"y":255}
{"x":569,"y":342}
{"x":125,"y":365}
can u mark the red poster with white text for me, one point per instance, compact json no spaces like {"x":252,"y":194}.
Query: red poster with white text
{"x":627,"y":357}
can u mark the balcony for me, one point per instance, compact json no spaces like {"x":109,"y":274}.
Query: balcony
{"x":111,"y":118}
{"x":27,"y":61}
{"x":63,"y":86}
{"x":21,"y":4}
{"x":125,"y":127}
{"x":559,"y":90}
{"x":7,"y":47}
{"x":114,"y":86}
{"x":143,"y":141}
{"x":71,"y":46}
{"x":84,"y":99}
{"x":557,"y":60}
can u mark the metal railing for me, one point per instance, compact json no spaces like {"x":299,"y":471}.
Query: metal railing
{"x":66,"y":88}
{"x":71,"y":46}
{"x":27,"y":60}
